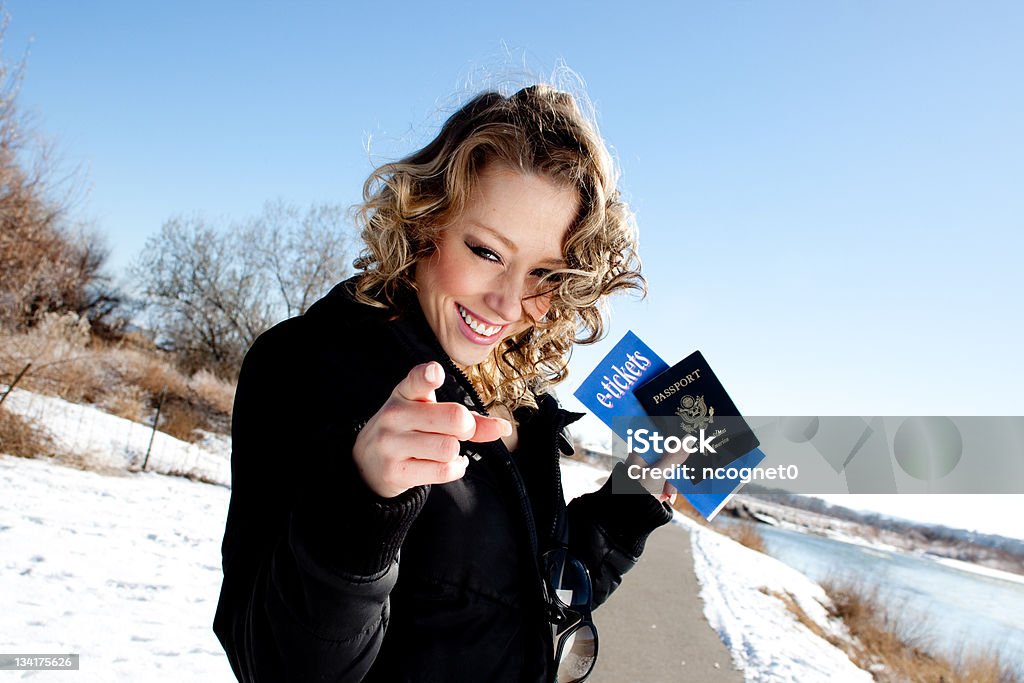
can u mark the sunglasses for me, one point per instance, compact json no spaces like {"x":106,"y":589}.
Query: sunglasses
{"x":575,"y":636}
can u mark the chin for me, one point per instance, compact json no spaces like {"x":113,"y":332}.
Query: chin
{"x":465,"y":353}
{"x":469,"y":358}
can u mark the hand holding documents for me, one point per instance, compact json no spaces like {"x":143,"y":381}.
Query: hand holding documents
{"x":680,"y":415}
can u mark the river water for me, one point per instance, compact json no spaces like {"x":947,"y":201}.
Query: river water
{"x":961,"y":610}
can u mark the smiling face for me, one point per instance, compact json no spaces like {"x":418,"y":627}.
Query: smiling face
{"x":477,"y":288}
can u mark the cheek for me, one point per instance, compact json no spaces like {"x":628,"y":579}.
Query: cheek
{"x":537,"y":307}
{"x":454,"y":277}
{"x":442,"y":274}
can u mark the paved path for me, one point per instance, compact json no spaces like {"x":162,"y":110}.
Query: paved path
{"x":652,"y":629}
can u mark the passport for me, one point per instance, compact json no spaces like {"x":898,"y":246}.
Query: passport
{"x":612,"y":393}
{"x":691,"y":394}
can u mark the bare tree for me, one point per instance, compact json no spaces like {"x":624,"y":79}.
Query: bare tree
{"x":48,"y":264}
{"x":304,"y":254}
{"x":209,"y":293}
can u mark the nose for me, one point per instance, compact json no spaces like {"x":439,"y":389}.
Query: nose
{"x":505,"y":297}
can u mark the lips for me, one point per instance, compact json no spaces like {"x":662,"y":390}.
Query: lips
{"x":477,"y":330}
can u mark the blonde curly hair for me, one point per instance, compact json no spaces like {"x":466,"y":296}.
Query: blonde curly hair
{"x":540,"y":130}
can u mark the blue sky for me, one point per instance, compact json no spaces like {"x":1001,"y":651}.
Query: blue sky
{"x":829,"y":194}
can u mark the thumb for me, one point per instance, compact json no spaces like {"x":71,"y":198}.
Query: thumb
{"x":668,"y":494}
{"x":420,"y":383}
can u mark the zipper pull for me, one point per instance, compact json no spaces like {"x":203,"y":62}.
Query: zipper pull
{"x":471,"y":454}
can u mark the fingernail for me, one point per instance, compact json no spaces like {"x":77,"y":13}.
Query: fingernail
{"x":433,"y":373}
{"x":506,"y":428}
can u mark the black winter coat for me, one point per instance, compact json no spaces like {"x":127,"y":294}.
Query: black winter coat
{"x":325,"y":581}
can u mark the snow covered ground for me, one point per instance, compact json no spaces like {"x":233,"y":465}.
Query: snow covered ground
{"x":978,"y":569}
{"x":742,"y":592}
{"x":124,"y":569}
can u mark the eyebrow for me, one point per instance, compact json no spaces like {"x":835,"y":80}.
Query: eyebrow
{"x":553,"y":262}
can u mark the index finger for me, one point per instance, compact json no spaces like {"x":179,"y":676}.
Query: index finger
{"x":420,"y":383}
{"x":490,"y":428}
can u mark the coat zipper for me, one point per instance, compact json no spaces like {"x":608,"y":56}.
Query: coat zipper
{"x":517,"y":477}
{"x":524,"y":498}
{"x":557,"y":474}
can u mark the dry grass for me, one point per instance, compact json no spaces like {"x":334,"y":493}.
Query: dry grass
{"x":87,"y":463}
{"x":796,"y":610}
{"x":78,"y":379}
{"x":128,"y":379}
{"x":898,"y":650}
{"x":152,"y":374}
{"x":742,"y":532}
{"x":746,"y":534}
{"x":192,"y":475}
{"x":986,"y":666}
{"x":129,"y":403}
{"x":22,"y":437}
{"x":182,"y":419}
{"x":214,"y":391}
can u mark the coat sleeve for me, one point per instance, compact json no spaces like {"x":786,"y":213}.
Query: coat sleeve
{"x":609,"y":527}
{"x":310,"y":554}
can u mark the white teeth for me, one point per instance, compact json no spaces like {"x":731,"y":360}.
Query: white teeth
{"x":477,"y":326}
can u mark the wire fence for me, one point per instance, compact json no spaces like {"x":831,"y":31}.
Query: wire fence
{"x":87,"y":436}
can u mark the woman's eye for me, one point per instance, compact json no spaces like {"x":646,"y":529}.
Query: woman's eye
{"x":484,"y":253}
{"x":545,"y":274}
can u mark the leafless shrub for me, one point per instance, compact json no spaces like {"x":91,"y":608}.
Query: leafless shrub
{"x":746,"y":534}
{"x":202,"y":402}
{"x":48,"y":263}
{"x":21,"y":437}
{"x":214,"y":391}
{"x":154,"y":376}
{"x":128,"y":402}
{"x":211,"y":291}
{"x":182,"y":419}
{"x":52,"y":348}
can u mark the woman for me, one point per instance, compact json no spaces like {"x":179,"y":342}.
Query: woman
{"x":396,"y":510}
